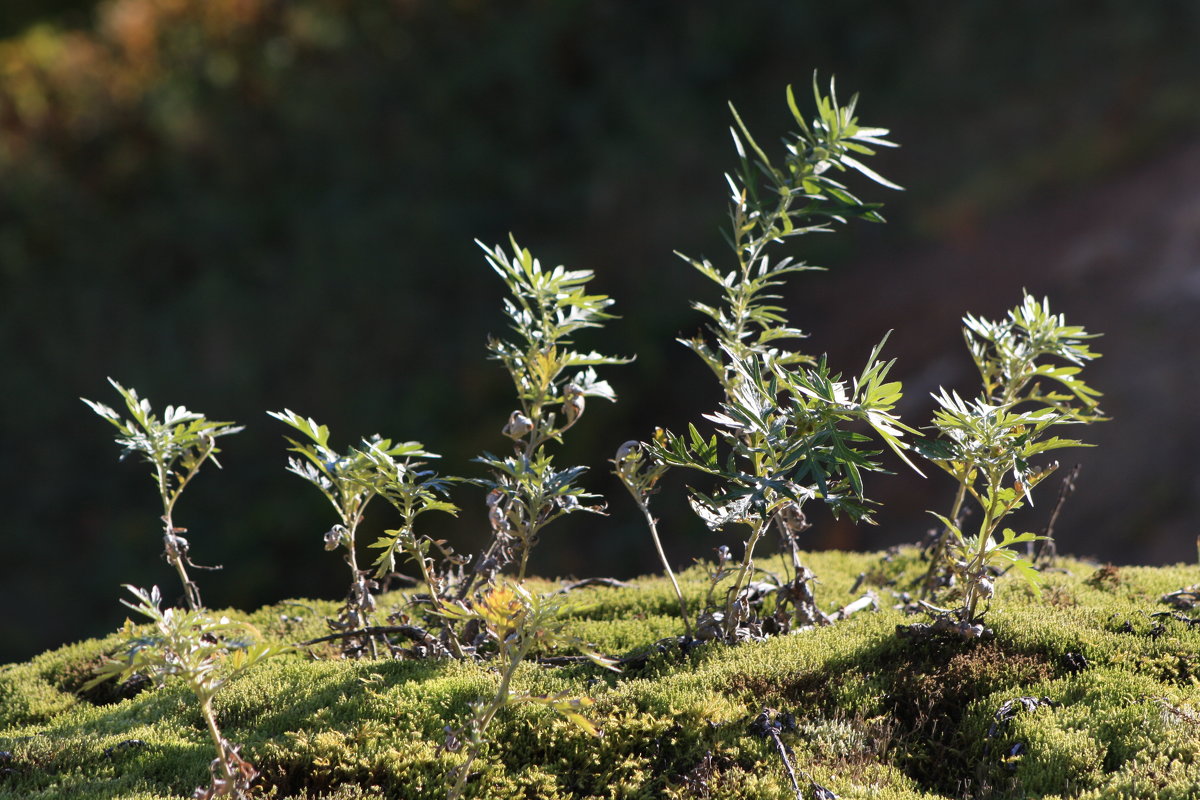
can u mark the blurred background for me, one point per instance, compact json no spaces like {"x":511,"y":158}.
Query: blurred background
{"x":251,"y":205}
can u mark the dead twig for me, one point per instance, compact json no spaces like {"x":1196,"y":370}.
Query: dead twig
{"x":610,"y":583}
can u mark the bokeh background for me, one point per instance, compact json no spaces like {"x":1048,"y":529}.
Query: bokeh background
{"x":244,"y":205}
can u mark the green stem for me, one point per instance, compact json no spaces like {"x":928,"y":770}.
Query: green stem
{"x":975,"y":569}
{"x":747,"y":565}
{"x":653,"y":526}
{"x":222,"y":746}
{"x":482,"y":722}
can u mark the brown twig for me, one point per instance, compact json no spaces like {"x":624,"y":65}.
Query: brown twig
{"x":611,"y":583}
{"x":1046,"y":549}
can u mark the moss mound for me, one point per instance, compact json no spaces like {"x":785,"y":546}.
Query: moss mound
{"x":1079,"y":693}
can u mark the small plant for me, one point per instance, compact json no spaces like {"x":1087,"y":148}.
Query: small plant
{"x":526,"y":491}
{"x":349,"y":482}
{"x":791,"y":426}
{"x":176,"y":446}
{"x":515,"y":621}
{"x":396,"y":476}
{"x":987,"y":444}
{"x":206,"y":654}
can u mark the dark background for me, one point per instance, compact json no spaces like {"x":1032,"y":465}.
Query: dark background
{"x":244,"y":205}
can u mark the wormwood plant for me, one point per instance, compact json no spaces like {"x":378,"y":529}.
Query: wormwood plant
{"x":516,"y":622}
{"x":987,"y":444}
{"x":791,"y":427}
{"x":526,"y":491}
{"x":206,"y":654}
{"x":176,"y":446}
{"x":349,"y":482}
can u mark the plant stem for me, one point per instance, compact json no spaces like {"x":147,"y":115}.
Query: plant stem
{"x":210,"y":719}
{"x":191,"y":592}
{"x":974,"y":571}
{"x":653,"y":526}
{"x":358,"y":588}
{"x":747,"y":564}
{"x":939,"y":547}
{"x":481,"y":722}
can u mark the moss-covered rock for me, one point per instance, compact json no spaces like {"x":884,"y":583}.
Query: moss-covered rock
{"x":1079,"y":693}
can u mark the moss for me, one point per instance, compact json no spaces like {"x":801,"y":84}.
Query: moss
{"x":869,"y":714}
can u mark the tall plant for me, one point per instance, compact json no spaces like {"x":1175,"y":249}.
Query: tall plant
{"x":792,"y":429}
{"x":526,"y":491}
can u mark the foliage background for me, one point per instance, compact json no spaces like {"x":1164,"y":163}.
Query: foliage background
{"x":243,"y":205}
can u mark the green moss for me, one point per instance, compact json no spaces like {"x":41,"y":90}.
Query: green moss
{"x":870,"y":714}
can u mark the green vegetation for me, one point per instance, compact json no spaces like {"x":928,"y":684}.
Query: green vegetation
{"x":199,"y":165}
{"x":868,"y":714}
{"x":206,"y":654}
{"x":1050,"y":698}
{"x":176,"y":446}
{"x":792,"y":426}
{"x":992,"y":440}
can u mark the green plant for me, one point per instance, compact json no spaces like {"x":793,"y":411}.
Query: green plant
{"x":176,"y":446}
{"x":987,"y":444}
{"x":791,"y":426}
{"x":206,"y":654}
{"x":412,"y":491}
{"x":349,"y":482}
{"x":526,"y":491}
{"x":515,"y":621}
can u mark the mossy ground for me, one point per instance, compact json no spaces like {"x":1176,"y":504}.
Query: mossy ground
{"x":875,"y":715}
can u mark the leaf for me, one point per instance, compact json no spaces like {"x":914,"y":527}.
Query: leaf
{"x":854,"y":163}
{"x":717,"y":516}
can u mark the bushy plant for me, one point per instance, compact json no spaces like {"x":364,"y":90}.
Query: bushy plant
{"x":988,"y":444}
{"x":791,"y":427}
{"x":349,"y":482}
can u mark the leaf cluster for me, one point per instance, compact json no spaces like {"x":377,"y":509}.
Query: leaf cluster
{"x":177,"y":444}
{"x":546,"y":308}
{"x":774,"y":201}
{"x":347,"y":480}
{"x":791,"y":435}
{"x":206,"y":653}
{"x":1011,"y":356}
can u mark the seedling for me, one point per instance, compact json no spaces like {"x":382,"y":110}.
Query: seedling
{"x":176,"y":447}
{"x":792,"y":428}
{"x":206,"y":654}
